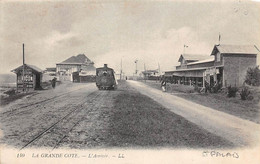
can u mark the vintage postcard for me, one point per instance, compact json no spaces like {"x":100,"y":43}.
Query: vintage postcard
{"x":114,"y":81}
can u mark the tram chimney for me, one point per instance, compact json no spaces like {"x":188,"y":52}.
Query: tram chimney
{"x":105,"y":65}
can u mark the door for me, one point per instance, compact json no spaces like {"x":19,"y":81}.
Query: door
{"x":38,"y":81}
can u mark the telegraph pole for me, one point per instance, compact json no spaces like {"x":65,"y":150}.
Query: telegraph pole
{"x":144,"y":73}
{"x":136,"y":67}
{"x":159,"y":69}
{"x":219,"y":37}
{"x":121,"y":70}
{"x":159,"y":72}
{"x":23,"y":69}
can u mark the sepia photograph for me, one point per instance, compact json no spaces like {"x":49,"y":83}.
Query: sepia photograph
{"x":114,"y":81}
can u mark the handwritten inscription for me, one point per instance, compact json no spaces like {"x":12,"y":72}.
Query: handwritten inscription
{"x":241,"y":7}
{"x":220,"y":154}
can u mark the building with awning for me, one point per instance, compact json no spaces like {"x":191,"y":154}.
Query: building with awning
{"x":226,"y":65}
{"x":71,"y":67}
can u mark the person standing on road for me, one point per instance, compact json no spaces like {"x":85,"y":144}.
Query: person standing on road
{"x":53,"y":82}
{"x":163,"y":84}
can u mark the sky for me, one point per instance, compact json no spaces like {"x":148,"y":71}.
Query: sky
{"x":152,"y":32}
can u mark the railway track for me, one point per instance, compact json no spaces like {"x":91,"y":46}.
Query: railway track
{"x":16,"y":110}
{"x":54,"y":134}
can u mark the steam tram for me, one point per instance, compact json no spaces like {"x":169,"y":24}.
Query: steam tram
{"x":105,"y":78}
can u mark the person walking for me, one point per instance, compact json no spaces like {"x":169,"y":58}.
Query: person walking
{"x":53,"y":82}
{"x":163,"y":85}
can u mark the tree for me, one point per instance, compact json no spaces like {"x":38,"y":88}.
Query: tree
{"x":253,"y":76}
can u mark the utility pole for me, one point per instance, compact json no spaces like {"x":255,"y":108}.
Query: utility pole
{"x":159,"y":72}
{"x":144,"y":73}
{"x":159,"y":69}
{"x":121,"y":70}
{"x":219,"y":37}
{"x":136,"y":67}
{"x":23,"y":69}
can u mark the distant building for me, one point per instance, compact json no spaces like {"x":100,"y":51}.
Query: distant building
{"x":32,"y":77}
{"x":50,"y":70}
{"x":79,"y":64}
{"x":227,"y":66}
{"x":189,"y":58}
{"x":87,"y":74}
{"x":150,"y":74}
{"x":49,"y":74}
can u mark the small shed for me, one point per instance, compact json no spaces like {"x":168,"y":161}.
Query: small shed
{"x":32,"y":77}
{"x":87,"y":76}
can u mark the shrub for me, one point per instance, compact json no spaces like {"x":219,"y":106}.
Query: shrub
{"x":180,"y":88}
{"x":215,"y":88}
{"x":10,"y":92}
{"x":196,"y":88}
{"x":207,"y":87}
{"x":253,"y":76}
{"x":244,"y":94}
{"x":250,"y":97}
{"x":232,"y":91}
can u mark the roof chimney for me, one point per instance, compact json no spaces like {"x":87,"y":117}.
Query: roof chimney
{"x":105,"y":65}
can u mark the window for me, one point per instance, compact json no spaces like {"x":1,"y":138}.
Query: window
{"x":105,"y":73}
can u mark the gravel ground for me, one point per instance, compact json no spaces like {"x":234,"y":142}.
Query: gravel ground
{"x":99,"y":119}
{"x":126,"y":118}
{"x":139,"y":121}
{"x":27,"y":117}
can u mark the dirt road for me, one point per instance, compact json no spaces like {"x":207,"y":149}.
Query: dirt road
{"x":80,"y":116}
{"x":236,"y":130}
